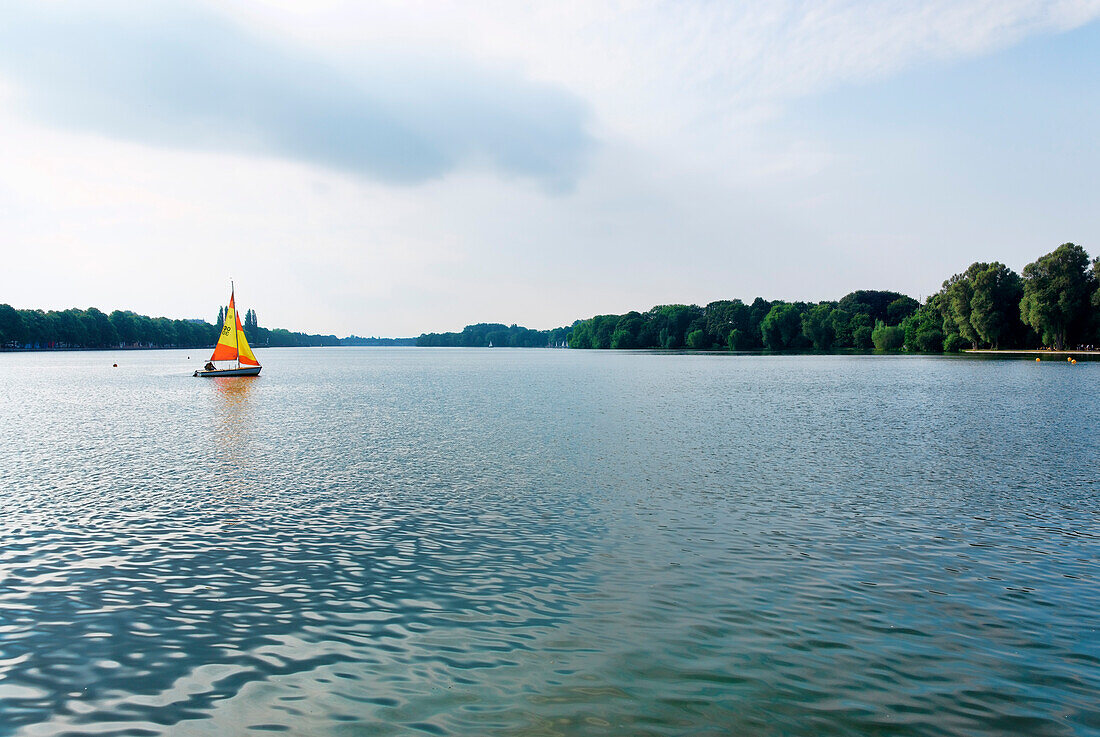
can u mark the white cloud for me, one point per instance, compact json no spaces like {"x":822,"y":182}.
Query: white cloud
{"x":173,"y":75}
{"x":652,"y":65}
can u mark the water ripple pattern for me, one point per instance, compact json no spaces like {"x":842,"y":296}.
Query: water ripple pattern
{"x":509,"y":542}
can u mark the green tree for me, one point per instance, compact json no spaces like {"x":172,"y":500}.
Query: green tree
{"x":697,"y":339}
{"x":41,"y":328}
{"x":1096,"y":300}
{"x":146,"y":330}
{"x":749,"y":337}
{"x":631,"y":331}
{"x":781,"y":326}
{"x":954,"y":343}
{"x":1057,"y":289}
{"x":887,"y":337}
{"x":872,"y":302}
{"x":723,"y":316}
{"x":671,"y":323}
{"x":752,"y":337}
{"x":923,"y":329}
{"x":899,"y":309}
{"x":252,"y":329}
{"x":101,"y":332}
{"x":1096,"y":278}
{"x":125,"y":326}
{"x":994,"y":306}
{"x":604,"y":327}
{"x":581,"y":337}
{"x":817,"y":326}
{"x":12,"y":328}
{"x":842,"y":328}
{"x":165,"y":332}
{"x":594,"y":332}
{"x":861,"y":328}
{"x":622,"y":339}
{"x":959,"y":293}
{"x":72,"y":330}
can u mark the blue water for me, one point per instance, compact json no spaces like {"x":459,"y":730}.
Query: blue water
{"x":534,"y":542}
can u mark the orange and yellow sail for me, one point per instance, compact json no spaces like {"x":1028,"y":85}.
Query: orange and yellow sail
{"x":232,"y":345}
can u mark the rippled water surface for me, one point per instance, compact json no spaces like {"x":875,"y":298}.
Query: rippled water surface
{"x":509,"y":542}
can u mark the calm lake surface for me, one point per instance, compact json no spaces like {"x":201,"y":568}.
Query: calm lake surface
{"x":532,"y":542}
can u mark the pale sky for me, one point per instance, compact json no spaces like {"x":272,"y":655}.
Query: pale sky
{"x":398,"y":167}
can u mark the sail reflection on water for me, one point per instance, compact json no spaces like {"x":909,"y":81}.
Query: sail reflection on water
{"x":233,"y":454}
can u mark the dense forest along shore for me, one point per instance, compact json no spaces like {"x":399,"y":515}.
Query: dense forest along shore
{"x":1054,"y":303}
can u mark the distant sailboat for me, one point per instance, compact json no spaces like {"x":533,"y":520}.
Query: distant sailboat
{"x":232,"y":346}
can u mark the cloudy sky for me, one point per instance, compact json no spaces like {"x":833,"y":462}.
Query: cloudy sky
{"x":396,"y":167}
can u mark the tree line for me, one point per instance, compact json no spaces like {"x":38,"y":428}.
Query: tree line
{"x":485,"y":334}
{"x":358,"y":340}
{"x":860,"y":320}
{"x":91,"y":328}
{"x":1054,"y":303}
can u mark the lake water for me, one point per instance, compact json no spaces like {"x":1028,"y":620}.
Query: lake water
{"x":533,"y":542}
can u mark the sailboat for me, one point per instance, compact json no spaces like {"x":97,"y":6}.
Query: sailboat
{"x":232,"y":346}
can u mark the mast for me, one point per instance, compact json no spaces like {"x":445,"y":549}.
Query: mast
{"x":236,"y":338}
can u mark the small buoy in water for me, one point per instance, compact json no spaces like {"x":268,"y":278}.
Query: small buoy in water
{"x":1038,"y":359}
{"x":1073,"y":361}
{"x":115,"y":365}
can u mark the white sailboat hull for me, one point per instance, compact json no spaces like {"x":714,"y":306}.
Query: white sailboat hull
{"x":250,"y":371}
